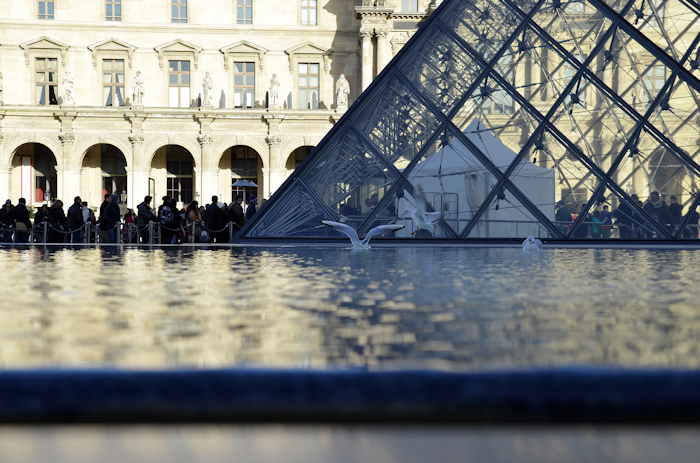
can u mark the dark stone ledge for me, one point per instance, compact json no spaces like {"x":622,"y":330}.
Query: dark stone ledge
{"x":538,"y":396}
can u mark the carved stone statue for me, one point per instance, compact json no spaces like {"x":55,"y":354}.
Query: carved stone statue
{"x":137,"y":97}
{"x":342,"y":93}
{"x":68,"y":90}
{"x":208,"y":91}
{"x":274,"y":92}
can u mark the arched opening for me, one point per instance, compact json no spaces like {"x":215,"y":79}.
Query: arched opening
{"x":103,"y":171}
{"x":297,"y":157}
{"x":33,"y":174}
{"x":240,"y":174}
{"x":172,"y":175}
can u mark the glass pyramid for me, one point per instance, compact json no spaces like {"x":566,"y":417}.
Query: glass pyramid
{"x":514,"y":118}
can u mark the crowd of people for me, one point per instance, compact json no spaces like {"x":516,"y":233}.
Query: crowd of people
{"x":630,"y":223}
{"x":168,"y":224}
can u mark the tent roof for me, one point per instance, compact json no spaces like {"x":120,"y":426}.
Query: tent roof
{"x":456,"y":158}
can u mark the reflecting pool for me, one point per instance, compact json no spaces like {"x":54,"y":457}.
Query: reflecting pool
{"x":444,"y":308}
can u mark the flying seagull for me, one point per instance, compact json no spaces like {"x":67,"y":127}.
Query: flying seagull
{"x":350,"y":232}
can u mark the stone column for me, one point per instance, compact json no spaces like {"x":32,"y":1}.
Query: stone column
{"x":383,"y":52}
{"x":274,"y":142}
{"x":209,"y":174}
{"x":367,"y":58}
{"x":137,"y":181}
{"x":69,"y":170}
{"x":5,"y":185}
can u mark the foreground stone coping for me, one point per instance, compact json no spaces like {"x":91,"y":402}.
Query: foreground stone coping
{"x":573,"y":395}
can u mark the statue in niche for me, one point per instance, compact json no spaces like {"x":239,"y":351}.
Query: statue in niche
{"x":137,"y":97}
{"x":68,"y":90}
{"x":342,"y":93}
{"x":207,"y":91}
{"x":274,"y":92}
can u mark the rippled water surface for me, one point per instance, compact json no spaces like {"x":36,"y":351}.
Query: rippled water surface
{"x":446,"y":308}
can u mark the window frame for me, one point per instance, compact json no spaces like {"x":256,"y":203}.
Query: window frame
{"x":179,"y":84}
{"x":114,"y":4}
{"x":114,"y":85}
{"x":299,"y":88}
{"x":175,"y":178}
{"x":252,"y":89}
{"x":246,"y":21}
{"x":45,"y":17}
{"x":179,"y":4}
{"x":46,"y":85}
{"x":302,"y":8}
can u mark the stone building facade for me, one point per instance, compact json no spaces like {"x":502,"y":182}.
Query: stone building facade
{"x":179,"y":97}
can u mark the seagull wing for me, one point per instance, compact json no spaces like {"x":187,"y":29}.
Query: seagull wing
{"x":345,"y":229}
{"x":377,"y":231}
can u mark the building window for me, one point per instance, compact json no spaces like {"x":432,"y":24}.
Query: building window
{"x":180,"y":170}
{"x":244,"y":11}
{"x":179,"y":83}
{"x":309,"y":12}
{"x":409,"y":6}
{"x":178,"y":11}
{"x":46,"y":9}
{"x":113,"y":82}
{"x":500,"y":101}
{"x":308,"y":85}
{"x":654,"y":80}
{"x":243,"y":85}
{"x":113,"y":10}
{"x":46,"y":81}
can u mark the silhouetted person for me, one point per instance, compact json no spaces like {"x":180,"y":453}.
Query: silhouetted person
{"x":675,"y":213}
{"x":251,"y":209}
{"x":109,"y":218}
{"x":23,"y":225}
{"x":58,"y":223}
{"x":217,"y":221}
{"x":235,"y":214}
{"x":691,"y":227}
{"x":144,"y":216}
{"x":75,"y":220}
{"x":657,"y":209}
{"x":7,"y":222}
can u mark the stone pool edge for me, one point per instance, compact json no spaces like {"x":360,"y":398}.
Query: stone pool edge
{"x":572,"y":395}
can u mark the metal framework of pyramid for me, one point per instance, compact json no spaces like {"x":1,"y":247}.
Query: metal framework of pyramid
{"x":514,"y":118}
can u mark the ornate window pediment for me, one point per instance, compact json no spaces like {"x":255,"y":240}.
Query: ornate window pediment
{"x":244,"y":51}
{"x":112,"y":48}
{"x":178,"y":49}
{"x":44,"y":45}
{"x":308,"y":51}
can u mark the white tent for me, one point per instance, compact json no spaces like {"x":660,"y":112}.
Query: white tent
{"x":455,"y":182}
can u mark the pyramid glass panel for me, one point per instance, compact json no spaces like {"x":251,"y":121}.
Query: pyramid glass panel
{"x":560,"y":119}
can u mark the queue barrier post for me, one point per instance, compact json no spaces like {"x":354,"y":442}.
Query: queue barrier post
{"x":46,"y":231}
{"x":230,"y":232}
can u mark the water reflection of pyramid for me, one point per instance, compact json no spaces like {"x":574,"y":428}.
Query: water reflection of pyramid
{"x":515,"y":118}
